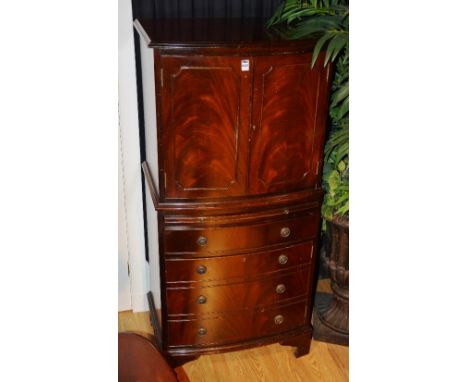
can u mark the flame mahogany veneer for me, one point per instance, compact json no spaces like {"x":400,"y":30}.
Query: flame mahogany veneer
{"x":235,"y":122}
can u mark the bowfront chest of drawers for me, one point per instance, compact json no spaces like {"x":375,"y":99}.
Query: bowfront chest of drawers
{"x":235,"y":122}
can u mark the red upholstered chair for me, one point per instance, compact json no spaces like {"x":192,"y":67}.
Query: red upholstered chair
{"x":140,"y":361}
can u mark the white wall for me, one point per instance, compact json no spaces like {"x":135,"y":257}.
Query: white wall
{"x":125,"y":300}
{"x":131,"y":165}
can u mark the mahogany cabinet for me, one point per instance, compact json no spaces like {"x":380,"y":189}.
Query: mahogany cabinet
{"x":235,"y":122}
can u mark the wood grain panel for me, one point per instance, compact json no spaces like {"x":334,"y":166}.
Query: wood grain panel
{"x":230,"y":239}
{"x":205,"y":130}
{"x":182,"y":270}
{"x":226,"y":328}
{"x":247,"y":295}
{"x":285,"y":112}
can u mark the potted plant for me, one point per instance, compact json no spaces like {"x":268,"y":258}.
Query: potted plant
{"x":329,"y":21}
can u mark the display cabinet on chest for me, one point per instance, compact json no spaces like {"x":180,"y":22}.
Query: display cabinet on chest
{"x":235,"y":122}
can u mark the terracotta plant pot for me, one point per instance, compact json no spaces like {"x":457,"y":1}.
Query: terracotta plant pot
{"x":331,"y":316}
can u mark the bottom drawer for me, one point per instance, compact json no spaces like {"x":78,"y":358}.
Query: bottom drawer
{"x":236,"y":326}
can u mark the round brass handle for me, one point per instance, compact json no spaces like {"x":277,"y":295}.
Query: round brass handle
{"x":202,"y":331}
{"x":285,"y":232}
{"x":201,"y":299}
{"x":280,"y":288}
{"x":201,"y":269}
{"x":279,"y":319}
{"x":202,"y":241}
{"x":282,"y":259}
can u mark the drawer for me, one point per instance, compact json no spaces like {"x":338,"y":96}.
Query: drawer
{"x":213,"y":241}
{"x":215,"y":297}
{"x":193,"y":270}
{"x":236,"y":327}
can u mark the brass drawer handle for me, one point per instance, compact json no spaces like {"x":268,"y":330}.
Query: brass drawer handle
{"x":282,"y":259}
{"x":279,"y":319}
{"x":202,"y":331}
{"x":285,"y":232}
{"x":280,"y":289}
{"x":201,"y":299}
{"x":201,"y":269}
{"x":202,"y":241}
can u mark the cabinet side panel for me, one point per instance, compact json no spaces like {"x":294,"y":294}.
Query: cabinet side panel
{"x":153,"y":250}
{"x":149,"y":106}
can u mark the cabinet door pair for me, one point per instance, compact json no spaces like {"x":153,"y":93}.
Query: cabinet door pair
{"x":235,"y":126}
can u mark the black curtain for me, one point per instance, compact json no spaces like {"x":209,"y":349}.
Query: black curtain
{"x":160,"y":9}
{"x":155,"y":9}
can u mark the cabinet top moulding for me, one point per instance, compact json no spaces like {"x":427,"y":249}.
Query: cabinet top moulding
{"x":311,"y":198}
{"x":217,"y":36}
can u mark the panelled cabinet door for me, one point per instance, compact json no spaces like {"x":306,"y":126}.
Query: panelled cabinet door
{"x":205,"y":105}
{"x":288,"y":123}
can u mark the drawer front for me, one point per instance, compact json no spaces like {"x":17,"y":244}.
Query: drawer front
{"x":213,"y":297}
{"x":213,"y":241}
{"x":236,"y":327}
{"x":193,"y":270}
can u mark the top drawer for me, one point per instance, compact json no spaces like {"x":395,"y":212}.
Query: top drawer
{"x":216,"y":240}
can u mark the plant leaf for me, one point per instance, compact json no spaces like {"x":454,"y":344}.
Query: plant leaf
{"x":340,"y":94}
{"x":335,"y":46}
{"x":319,"y":45}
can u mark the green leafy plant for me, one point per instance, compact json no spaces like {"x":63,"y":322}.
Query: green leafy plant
{"x":328,"y":21}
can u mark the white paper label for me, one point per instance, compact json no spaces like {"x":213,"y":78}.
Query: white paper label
{"x":245,"y":65}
